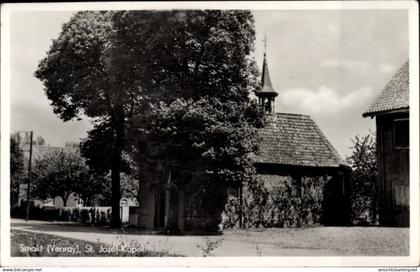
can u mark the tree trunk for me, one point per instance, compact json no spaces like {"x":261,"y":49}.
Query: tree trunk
{"x":115,"y":191}
{"x":115,"y":173}
{"x":173,"y":213}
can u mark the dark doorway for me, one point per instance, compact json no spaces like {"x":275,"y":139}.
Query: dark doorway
{"x":336,"y":204}
{"x":160,"y":201}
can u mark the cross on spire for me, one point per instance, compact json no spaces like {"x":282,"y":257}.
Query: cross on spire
{"x":265,"y":43}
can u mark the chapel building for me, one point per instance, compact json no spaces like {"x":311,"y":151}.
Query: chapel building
{"x":293,"y":152}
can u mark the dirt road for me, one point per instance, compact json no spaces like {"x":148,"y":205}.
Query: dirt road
{"x":320,"y":241}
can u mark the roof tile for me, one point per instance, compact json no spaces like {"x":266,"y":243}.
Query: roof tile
{"x":295,"y":139}
{"x":394,"y":96}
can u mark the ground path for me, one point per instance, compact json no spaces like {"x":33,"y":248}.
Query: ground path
{"x":319,"y":241}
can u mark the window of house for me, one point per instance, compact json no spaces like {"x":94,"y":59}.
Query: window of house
{"x":401,"y":195}
{"x":401,"y":133}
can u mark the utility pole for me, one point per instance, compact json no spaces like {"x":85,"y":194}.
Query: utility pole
{"x":29,"y":177}
{"x":18,"y":187}
{"x":31,"y":133}
{"x":241,"y":204}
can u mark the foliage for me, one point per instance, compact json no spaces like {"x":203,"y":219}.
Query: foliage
{"x":197,"y":136}
{"x":363,"y":180}
{"x":197,"y":69}
{"x":79,"y":81}
{"x":62,"y":172}
{"x":188,"y":54}
{"x":89,"y":186}
{"x":132,"y":70}
{"x":129,"y":189}
{"x":74,"y":72}
{"x":288,"y":204}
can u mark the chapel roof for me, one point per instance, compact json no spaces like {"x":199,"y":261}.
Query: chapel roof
{"x":295,"y":139}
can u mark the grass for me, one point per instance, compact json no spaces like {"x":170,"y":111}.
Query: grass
{"x":30,"y":244}
{"x":347,"y":241}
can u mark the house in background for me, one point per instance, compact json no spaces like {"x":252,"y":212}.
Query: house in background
{"x":391,"y":109}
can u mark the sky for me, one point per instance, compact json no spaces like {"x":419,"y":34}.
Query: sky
{"x":329,"y":64}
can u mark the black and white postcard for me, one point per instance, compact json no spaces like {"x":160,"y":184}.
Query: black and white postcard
{"x":253,"y":133}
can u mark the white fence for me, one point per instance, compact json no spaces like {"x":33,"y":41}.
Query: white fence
{"x":101,"y":214}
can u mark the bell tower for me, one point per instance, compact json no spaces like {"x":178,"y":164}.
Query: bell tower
{"x":267,"y":95}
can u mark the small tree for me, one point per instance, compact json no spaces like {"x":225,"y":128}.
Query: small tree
{"x":61,"y":173}
{"x":130,"y":187}
{"x":17,"y":173}
{"x":363,"y":179}
{"x":89,"y":186}
{"x":50,"y":176}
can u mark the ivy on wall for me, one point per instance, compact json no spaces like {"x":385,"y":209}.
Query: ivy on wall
{"x":285,"y":203}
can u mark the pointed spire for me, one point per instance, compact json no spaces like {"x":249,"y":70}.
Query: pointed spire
{"x":267,"y":95}
{"x":266,"y":80}
{"x":267,"y":86}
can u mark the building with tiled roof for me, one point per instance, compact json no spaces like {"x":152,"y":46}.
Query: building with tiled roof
{"x":391,"y":110}
{"x":295,"y":162}
{"x":295,"y":139}
{"x":293,"y":148}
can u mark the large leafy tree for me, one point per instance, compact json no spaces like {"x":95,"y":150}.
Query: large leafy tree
{"x":189,"y":54}
{"x":196,"y":70}
{"x":116,"y":67}
{"x":79,"y":79}
{"x":363,"y":179}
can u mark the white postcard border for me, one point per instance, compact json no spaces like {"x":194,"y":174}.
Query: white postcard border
{"x":411,"y":260}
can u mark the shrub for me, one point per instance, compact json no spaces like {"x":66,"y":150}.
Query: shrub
{"x":230,"y":215}
{"x":17,"y":212}
{"x":65,"y":215}
{"x":285,"y":204}
{"x":204,"y":205}
{"x":363,"y":180}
